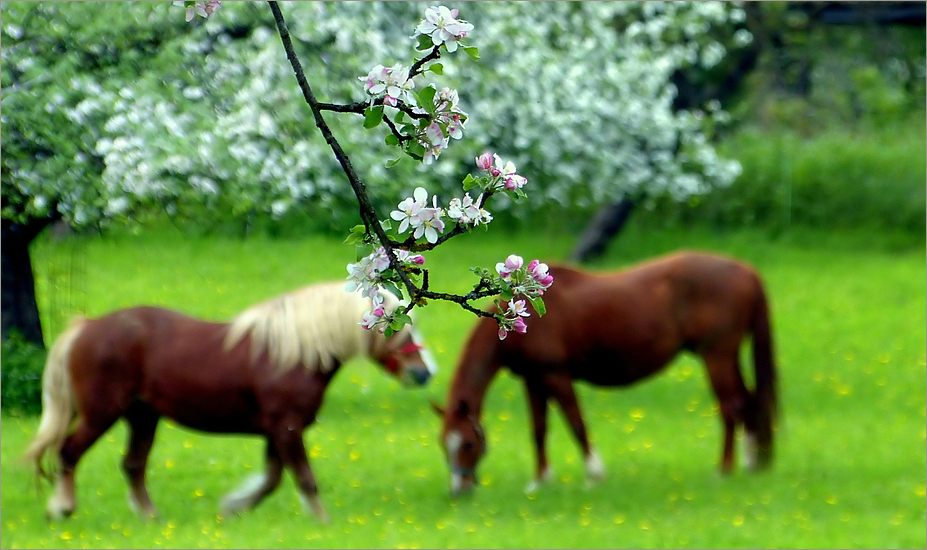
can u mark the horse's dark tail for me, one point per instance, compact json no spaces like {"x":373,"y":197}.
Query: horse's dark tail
{"x":58,"y":406}
{"x":766,"y":406}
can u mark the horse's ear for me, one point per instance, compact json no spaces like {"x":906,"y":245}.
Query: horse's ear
{"x":437,"y":408}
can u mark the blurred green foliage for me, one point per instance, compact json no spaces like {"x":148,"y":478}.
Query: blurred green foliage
{"x":871,"y":178}
{"x":21,"y":376}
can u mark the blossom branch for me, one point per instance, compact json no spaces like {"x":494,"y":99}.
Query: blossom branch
{"x":417,"y":69}
{"x":394,"y":262}
{"x":367,"y":212}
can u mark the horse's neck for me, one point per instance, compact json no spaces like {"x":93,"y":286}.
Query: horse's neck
{"x":476,"y":370}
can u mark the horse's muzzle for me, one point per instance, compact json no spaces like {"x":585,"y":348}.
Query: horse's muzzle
{"x":462,"y":483}
{"x":418,"y":376}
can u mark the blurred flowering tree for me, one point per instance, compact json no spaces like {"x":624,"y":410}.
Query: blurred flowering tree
{"x":116,"y":111}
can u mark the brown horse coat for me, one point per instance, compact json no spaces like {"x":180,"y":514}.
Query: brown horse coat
{"x":615,"y":329}
{"x":263,"y":373}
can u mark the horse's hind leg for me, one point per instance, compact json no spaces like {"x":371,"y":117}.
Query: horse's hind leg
{"x":143,"y":421}
{"x":561,"y":387}
{"x":62,"y":502}
{"x":732,"y":395}
{"x":257,"y":486}
{"x":293,"y":452}
{"x":537,"y":398}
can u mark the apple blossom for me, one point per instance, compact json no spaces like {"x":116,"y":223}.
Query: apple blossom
{"x":409,"y":208}
{"x":428,"y":222}
{"x":442,"y":25}
{"x":203,"y":9}
{"x":375,"y":316}
{"x":484,"y":161}
{"x":467,"y":211}
{"x":539,"y":271}
{"x":391,"y":83}
{"x":511,"y":264}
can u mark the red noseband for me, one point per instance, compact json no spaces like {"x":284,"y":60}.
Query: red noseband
{"x":392,"y":364}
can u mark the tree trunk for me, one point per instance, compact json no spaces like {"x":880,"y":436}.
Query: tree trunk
{"x":607,"y":222}
{"x":19,"y":309}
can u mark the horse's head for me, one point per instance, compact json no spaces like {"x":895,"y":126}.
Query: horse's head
{"x":464,"y":444}
{"x":405,"y":357}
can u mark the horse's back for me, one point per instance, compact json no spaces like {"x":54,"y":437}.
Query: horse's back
{"x":140,"y":352}
{"x":617,"y":327}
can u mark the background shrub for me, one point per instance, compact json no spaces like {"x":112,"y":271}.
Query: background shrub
{"x":21,"y":375}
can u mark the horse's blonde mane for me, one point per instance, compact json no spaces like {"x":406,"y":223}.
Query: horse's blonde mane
{"x":317,"y":326}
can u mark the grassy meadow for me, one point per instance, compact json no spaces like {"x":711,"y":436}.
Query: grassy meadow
{"x":849,"y":326}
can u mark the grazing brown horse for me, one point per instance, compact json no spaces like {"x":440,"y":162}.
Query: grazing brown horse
{"x":614,"y":330}
{"x":263,"y":373}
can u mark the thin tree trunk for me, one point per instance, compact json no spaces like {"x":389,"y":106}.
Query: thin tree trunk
{"x":607,"y":222}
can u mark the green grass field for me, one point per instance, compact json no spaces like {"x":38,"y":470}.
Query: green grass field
{"x":849,"y":472}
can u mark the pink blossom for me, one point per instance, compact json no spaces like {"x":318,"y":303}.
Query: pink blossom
{"x":504,"y":169}
{"x":518,"y":308}
{"x":539,"y":271}
{"x":405,"y":257}
{"x":455,"y":127}
{"x":203,"y":9}
{"x":427,"y":223}
{"x":392,"y":83}
{"x":520,"y":326}
{"x":434,"y":134}
{"x":467,"y":211}
{"x":484,"y":161}
{"x":431,"y":154}
{"x":409,"y":208}
{"x":514,"y":181}
{"x":512,"y":263}
{"x":442,"y":25}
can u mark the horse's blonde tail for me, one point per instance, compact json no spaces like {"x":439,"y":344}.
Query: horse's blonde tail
{"x":58,"y":407}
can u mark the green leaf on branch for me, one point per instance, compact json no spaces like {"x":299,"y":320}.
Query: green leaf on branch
{"x":517,"y":194}
{"x":472,"y":51}
{"x":470,"y":182}
{"x":426,"y":99}
{"x":424,"y":43}
{"x":393,"y":162}
{"x":392,"y":287}
{"x":399,"y":321}
{"x":373,"y":116}
{"x":437,"y":68}
{"x":506,"y":292}
{"x":356,"y":235}
{"x":391,"y":139}
{"x":415,"y":150}
{"x":538,"y":304}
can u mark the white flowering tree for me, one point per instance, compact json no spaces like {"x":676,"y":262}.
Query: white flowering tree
{"x":168,"y":116}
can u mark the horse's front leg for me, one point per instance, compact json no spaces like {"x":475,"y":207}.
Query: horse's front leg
{"x":561,"y":387}
{"x":537,"y":399}
{"x":256,"y":487}
{"x":289,"y":440}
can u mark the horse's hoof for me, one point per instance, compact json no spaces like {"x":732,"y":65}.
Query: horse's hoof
{"x":58,"y":514}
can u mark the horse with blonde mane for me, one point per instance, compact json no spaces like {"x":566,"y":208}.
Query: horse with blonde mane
{"x":263,"y":373}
